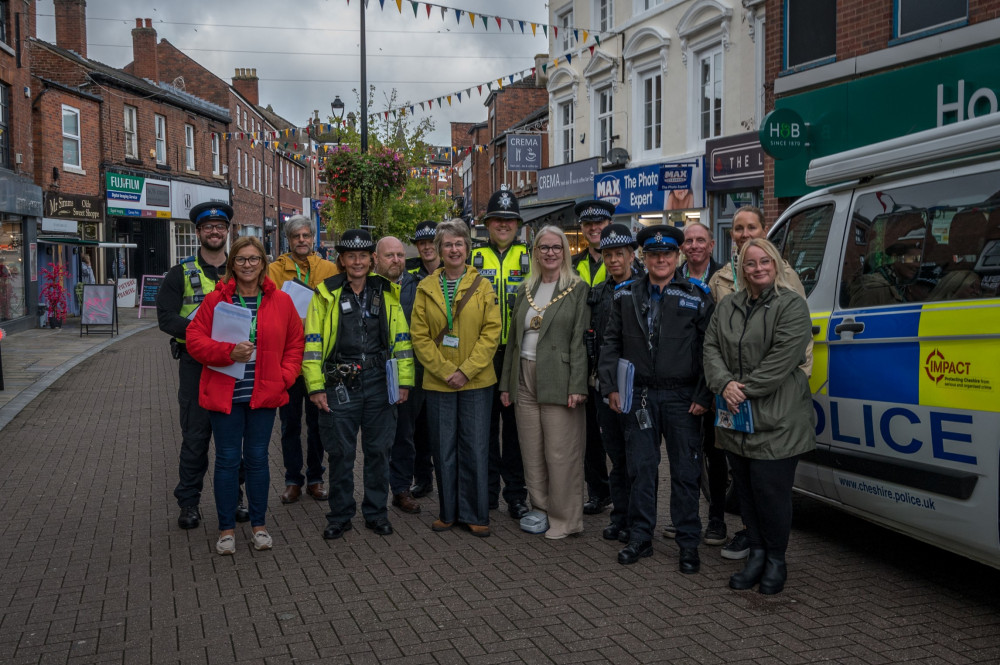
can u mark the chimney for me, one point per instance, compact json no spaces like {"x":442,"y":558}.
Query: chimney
{"x":245,"y":83}
{"x":71,"y":25}
{"x":144,"y":60}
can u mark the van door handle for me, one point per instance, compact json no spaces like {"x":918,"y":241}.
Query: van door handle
{"x":849,"y":326}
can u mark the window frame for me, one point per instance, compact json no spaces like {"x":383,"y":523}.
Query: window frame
{"x":131,"y":112}
{"x":77,"y":138}
{"x":189,"y":156}
{"x":564,"y":21}
{"x":160,"y":125}
{"x":606,"y":23}
{"x":5,"y":123}
{"x":239,"y":167}
{"x":897,"y":23}
{"x":710,"y":54}
{"x":657,"y":122}
{"x":216,"y":162}
{"x":564,"y":147}
{"x":602,"y":138}
{"x":816,"y":62}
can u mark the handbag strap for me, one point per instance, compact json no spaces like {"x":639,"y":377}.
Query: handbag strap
{"x":461,"y":305}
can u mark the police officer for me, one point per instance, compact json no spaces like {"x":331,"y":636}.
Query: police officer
{"x":594,"y":216}
{"x":618,"y":257}
{"x":354,"y":325}
{"x":427,"y":260}
{"x":182,"y":291}
{"x":658,"y":324}
{"x":505,"y":262}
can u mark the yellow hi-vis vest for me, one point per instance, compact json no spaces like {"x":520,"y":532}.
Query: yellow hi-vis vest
{"x":581,"y":263}
{"x":196,"y":285}
{"x":505,"y":276}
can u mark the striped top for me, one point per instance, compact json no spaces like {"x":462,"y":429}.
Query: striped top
{"x":244,"y":387}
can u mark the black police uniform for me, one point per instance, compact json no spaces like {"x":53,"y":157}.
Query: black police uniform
{"x":660,"y":331}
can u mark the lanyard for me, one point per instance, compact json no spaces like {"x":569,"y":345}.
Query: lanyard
{"x":736,"y":285}
{"x":449,"y":297}
{"x":253,"y":321}
{"x":299,"y":273}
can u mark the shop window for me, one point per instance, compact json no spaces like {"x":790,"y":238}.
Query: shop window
{"x":161,"y":139}
{"x":189,"y":147}
{"x":12,"y":291}
{"x":131,"y":140}
{"x":185,"y":240}
{"x":914,"y":17}
{"x":4,"y":126}
{"x":810,"y":32}
{"x":710,"y":94}
{"x":936,"y":241}
{"x":802,"y":240}
{"x":71,"y":137}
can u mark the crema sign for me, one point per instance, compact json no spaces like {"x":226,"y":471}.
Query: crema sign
{"x":73,"y":206}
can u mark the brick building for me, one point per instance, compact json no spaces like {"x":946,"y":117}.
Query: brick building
{"x":860,"y":72}
{"x":20,"y":198}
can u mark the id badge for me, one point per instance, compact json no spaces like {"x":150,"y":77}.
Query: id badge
{"x":642,"y":415}
{"x":451,"y":341}
{"x":345,"y":306}
{"x":341,"y":392}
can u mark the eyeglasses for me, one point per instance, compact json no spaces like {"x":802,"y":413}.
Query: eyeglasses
{"x":763,"y":263}
{"x":246,"y":260}
{"x":213,"y":227}
{"x":549,"y":249}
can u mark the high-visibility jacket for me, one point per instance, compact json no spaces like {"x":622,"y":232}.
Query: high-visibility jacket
{"x":196,"y":285}
{"x":505,"y":272}
{"x":582,"y":266}
{"x":324,"y":317}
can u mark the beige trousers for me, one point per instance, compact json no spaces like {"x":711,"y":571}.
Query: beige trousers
{"x":552,"y":440}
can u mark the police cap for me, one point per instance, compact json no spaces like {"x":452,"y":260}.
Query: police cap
{"x":425,"y":231}
{"x":211,"y":211}
{"x":355,"y":240}
{"x":594,"y":211}
{"x":661,"y":238}
{"x":617,"y":235}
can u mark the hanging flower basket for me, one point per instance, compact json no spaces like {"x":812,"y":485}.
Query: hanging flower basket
{"x":378,"y":176}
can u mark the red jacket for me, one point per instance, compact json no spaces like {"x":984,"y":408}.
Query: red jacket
{"x":279,"y":350}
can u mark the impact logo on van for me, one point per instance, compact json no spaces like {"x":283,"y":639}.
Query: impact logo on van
{"x":957,"y":374}
{"x":609,"y":188}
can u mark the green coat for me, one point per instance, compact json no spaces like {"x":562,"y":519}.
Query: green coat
{"x":762,"y":349}
{"x":561,"y":355}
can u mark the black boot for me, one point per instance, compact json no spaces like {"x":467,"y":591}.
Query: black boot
{"x":775,"y":573}
{"x":751,"y":572}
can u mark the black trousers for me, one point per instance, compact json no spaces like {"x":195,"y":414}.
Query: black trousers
{"x":619,"y":484}
{"x":765,"y":491}
{"x":196,"y":433}
{"x":595,"y":459}
{"x":505,"y":448}
{"x":717,"y":467}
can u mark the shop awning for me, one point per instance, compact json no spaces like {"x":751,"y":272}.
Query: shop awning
{"x":537,"y":212}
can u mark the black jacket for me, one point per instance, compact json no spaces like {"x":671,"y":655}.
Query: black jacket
{"x":672,"y":357}
{"x":171,"y":296}
{"x":713,"y":267}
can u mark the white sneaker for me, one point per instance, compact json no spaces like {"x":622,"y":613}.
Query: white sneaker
{"x":262,"y":540}
{"x":226,"y":545}
{"x":535,"y":522}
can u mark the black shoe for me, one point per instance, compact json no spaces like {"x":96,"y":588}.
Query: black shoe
{"x":715,"y":534}
{"x":380,"y":526}
{"x":751,"y":572}
{"x":242,"y":514}
{"x":634,"y":551}
{"x":517,"y":509}
{"x":738,"y":547}
{"x":420,"y":490}
{"x":190,"y":517}
{"x":596,"y":506}
{"x":690,"y":562}
{"x":611,"y":532}
{"x":624,"y":536}
{"x":775,"y":574}
{"x":336,"y":530}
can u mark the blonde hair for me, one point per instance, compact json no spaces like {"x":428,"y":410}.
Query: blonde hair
{"x":239,"y":244}
{"x":780,"y":280}
{"x":567,"y":276}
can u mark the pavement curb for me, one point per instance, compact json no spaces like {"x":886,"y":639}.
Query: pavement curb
{"x":10,"y":410}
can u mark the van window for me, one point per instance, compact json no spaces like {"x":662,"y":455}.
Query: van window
{"x":935,"y":241}
{"x":802,"y":242}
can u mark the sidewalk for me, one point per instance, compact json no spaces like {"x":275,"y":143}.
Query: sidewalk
{"x":34,"y":359}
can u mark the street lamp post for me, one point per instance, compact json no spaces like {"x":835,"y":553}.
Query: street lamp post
{"x":364,"y":112}
{"x":337,"y":107}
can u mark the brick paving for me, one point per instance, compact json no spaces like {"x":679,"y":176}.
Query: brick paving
{"x":93,"y":569}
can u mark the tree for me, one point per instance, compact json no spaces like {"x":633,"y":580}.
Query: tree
{"x":396,"y":200}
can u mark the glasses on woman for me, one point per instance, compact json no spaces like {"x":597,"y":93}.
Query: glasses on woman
{"x":549,"y":249}
{"x":246,"y":260}
{"x":763,"y":263}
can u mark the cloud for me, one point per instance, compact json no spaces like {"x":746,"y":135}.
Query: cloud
{"x":307,"y":51}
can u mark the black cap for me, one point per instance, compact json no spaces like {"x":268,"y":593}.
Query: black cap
{"x":617,"y":235}
{"x":211,"y":211}
{"x":661,"y":238}
{"x":425,"y":231}
{"x":503,"y":205}
{"x":594,"y":211}
{"x":355,"y":240}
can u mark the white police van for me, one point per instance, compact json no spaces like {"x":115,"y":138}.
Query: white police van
{"x":900,"y":259}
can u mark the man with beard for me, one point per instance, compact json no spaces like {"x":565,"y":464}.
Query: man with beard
{"x":183,"y":289}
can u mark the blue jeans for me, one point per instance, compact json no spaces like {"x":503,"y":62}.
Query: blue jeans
{"x":459,"y":427}
{"x":243,"y":433}
{"x":291,"y":438}
{"x":668,"y":411}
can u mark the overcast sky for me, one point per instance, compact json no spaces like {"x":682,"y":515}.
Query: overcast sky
{"x":307,"y":51}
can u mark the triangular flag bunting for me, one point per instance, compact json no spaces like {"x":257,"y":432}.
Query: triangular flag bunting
{"x":486,"y":21}
{"x":411,"y":109}
{"x":511,"y":78}
{"x":430,"y":103}
{"x":522,"y":27}
{"x":459,"y":97}
{"x":415,"y":6}
{"x":555,"y":62}
{"x":421,"y":106}
{"x":449,"y":100}
{"x":545,"y":30}
{"x":444,"y":12}
{"x":576,"y":35}
{"x":510,"y":22}
{"x":387,"y":116}
{"x":458,"y":16}
{"x":532,"y":71}
{"x":499,"y":24}
{"x":399,"y":6}
{"x":489,"y":86}
{"x":555,"y":31}
{"x":569,"y":58}
{"x":597,"y":38}
{"x":500,"y":83}
{"x":428,"y":10}
{"x":544,"y":67}
{"x":592,"y":50}
{"x":480,"y":87}
{"x":381,"y":4}
{"x":472,"y":17}
{"x":584,"y":36}
{"x":533,"y":26}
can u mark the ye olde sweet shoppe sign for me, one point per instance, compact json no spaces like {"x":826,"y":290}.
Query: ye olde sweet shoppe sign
{"x":73,"y":206}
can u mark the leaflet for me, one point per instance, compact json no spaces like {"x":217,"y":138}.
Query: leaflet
{"x":741,"y":421}
{"x":392,"y":379}
{"x":231,"y":323}
{"x":626,"y":377}
{"x":301,"y":295}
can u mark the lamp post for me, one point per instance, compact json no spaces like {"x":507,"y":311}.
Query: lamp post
{"x":364,"y":111}
{"x":337,"y":107}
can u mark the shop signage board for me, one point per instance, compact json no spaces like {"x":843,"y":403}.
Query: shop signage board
{"x":137,"y":196}
{"x":186,"y":195}
{"x":638,"y":190}
{"x":783,"y":134}
{"x":147,"y":293}
{"x":882,"y":106}
{"x":734,"y":162}
{"x":524,"y":152}
{"x":568,"y":181}
{"x":100,"y":308}
{"x":73,"y":206}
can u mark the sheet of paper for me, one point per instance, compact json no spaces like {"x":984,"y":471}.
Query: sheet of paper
{"x":626,"y":376}
{"x":231,"y":323}
{"x":301,"y":296}
{"x":392,"y":379}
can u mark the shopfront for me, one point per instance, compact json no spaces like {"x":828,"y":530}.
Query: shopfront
{"x":559,"y":189}
{"x":138,"y":212}
{"x":734,"y":177}
{"x":183,"y":197}
{"x":20,"y":209}
{"x":667,"y":193}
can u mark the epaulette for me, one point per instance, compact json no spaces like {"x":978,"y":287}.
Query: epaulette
{"x":625,"y":283}
{"x":701,"y":285}
{"x":621,"y":293}
{"x":189,"y":259}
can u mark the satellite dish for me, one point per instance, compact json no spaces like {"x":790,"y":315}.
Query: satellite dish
{"x":618,"y":157}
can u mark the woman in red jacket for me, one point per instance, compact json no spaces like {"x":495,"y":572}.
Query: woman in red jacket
{"x":242,"y":410}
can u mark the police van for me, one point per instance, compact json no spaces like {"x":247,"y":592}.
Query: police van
{"x":899,"y":255}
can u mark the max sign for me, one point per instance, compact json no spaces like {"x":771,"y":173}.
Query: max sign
{"x":524,"y":152}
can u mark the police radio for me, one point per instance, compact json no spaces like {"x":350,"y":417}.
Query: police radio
{"x":477,"y":261}
{"x":525,"y":264}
